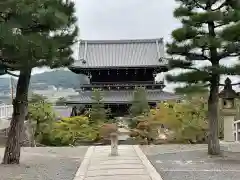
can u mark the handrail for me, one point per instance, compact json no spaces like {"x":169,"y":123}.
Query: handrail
{"x":237,"y":130}
{"x":6,"y":111}
{"x":236,"y":122}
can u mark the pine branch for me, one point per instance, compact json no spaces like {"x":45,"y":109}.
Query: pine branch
{"x":232,"y":33}
{"x":228,"y":54}
{"x":12,"y":74}
{"x":191,"y":77}
{"x":182,"y":12}
{"x":36,"y":27}
{"x":235,"y":70}
{"x":196,"y":56}
{"x":178,"y":63}
{"x":234,"y":84}
{"x":230,"y":50}
{"x":220,"y":6}
{"x":10,"y":65}
{"x":183,"y":64}
{"x":199,"y":5}
{"x":192,"y":88}
{"x":174,"y":49}
{"x":199,"y":39}
{"x":220,"y":25}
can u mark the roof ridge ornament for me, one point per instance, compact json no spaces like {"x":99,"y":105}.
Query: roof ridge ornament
{"x":85,"y":53}
{"x":228,"y":91}
{"x":228,"y":83}
{"x":159,"y":56}
{"x":83,"y":61}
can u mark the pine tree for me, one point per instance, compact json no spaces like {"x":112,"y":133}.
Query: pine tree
{"x":98,"y":112}
{"x":140,"y":103}
{"x":139,"y":107}
{"x":210,"y":32}
{"x":33,"y":33}
{"x":61,"y":101}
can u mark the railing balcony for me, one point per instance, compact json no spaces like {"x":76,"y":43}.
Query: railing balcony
{"x":6,"y":111}
{"x":126,"y":82}
{"x":121,"y":86}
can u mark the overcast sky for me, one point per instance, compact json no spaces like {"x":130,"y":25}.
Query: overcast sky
{"x":123,"y":19}
{"x":126,"y":19}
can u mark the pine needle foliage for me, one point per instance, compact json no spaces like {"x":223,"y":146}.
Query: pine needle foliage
{"x":210,"y":32}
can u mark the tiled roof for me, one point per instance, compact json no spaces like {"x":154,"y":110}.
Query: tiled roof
{"x":120,"y":53}
{"x":123,"y":97}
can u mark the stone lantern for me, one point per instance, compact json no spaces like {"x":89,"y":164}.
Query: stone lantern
{"x":228,"y":110}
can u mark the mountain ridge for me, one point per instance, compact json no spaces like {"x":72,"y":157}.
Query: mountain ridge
{"x":58,"y":78}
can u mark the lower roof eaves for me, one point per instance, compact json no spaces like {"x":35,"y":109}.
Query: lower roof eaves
{"x":121,"y":97}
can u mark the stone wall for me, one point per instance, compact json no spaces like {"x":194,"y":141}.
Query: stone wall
{"x":25,"y":139}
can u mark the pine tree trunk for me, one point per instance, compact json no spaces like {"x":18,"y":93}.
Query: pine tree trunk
{"x":213,"y":139}
{"x":20,"y":104}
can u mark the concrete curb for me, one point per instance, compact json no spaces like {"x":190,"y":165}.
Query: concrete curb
{"x":81,"y":172}
{"x":149,"y":167}
{"x":179,"y":151}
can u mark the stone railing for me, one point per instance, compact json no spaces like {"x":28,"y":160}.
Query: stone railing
{"x":6,"y":111}
{"x":237,"y":130}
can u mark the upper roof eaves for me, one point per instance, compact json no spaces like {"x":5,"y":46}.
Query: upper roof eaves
{"x":120,"y":53}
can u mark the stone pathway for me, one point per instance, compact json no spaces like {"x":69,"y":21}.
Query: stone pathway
{"x":131,"y":164}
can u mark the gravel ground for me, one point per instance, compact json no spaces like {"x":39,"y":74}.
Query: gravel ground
{"x":44,"y":163}
{"x":177,"y":162}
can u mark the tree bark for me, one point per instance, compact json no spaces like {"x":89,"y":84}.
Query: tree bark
{"x":213,"y":139}
{"x":20,"y":104}
{"x":213,"y":136}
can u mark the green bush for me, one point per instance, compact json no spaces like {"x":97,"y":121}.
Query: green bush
{"x":186,"y":122}
{"x":72,"y":131}
{"x":68,"y":131}
{"x":41,"y":117}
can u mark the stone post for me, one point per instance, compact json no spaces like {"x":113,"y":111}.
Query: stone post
{"x":229,"y":128}
{"x":228,"y":111}
{"x":114,"y":144}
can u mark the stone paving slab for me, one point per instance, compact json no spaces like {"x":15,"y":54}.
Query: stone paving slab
{"x":116,"y":166}
{"x":123,"y":177}
{"x":129,"y":165}
{"x":192,"y":163}
{"x":114,"y":162}
{"x":116,"y":172}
